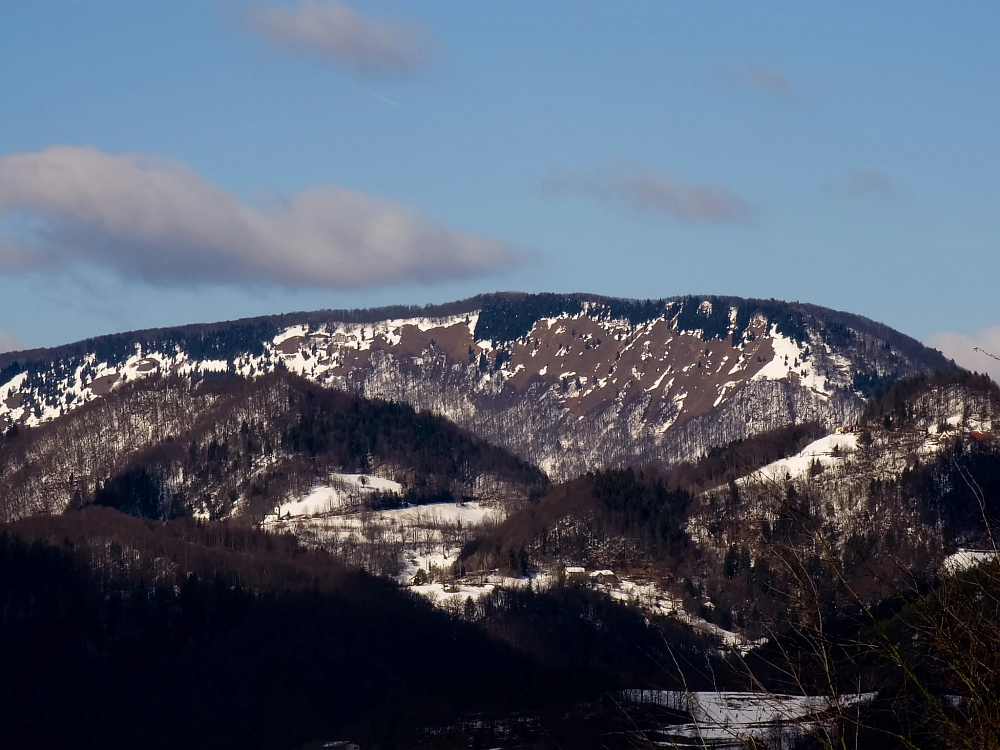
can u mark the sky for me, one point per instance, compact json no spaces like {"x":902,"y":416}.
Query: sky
{"x":164,"y":163}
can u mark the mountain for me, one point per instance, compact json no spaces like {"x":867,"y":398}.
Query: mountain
{"x":570,"y":383}
{"x":737,"y":494}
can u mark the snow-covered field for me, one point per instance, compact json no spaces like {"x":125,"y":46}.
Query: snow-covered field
{"x":967,"y":558}
{"x":400,"y":542}
{"x":732,"y":719}
{"x":470,"y":513}
{"x":443,"y":594}
{"x":827,"y":452}
{"x":333,"y":495}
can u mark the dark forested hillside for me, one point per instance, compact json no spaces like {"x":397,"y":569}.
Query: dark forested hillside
{"x":248,"y":640}
{"x":172,"y":446}
{"x":170,"y":637}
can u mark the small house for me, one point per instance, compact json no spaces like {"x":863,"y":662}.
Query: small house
{"x":604,"y":577}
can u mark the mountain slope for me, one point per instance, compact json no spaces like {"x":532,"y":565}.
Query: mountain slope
{"x":161,"y":447}
{"x":254,"y":641}
{"x":885,"y":504}
{"x":568,"y":382}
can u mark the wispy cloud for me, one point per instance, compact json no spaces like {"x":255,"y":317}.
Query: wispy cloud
{"x":963,"y":349}
{"x":381,"y":98}
{"x":764,"y":79}
{"x":9,"y":343}
{"x":869,"y":182}
{"x":157,"y":220}
{"x":340,"y":35}
{"x":645,"y":192}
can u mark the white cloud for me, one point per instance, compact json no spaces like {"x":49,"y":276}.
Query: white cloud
{"x":644,"y":192}
{"x":340,"y":35}
{"x":9,"y":343}
{"x":158,"y":220}
{"x":962,"y":349}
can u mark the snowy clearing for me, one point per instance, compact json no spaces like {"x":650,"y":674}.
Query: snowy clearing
{"x":965,"y":559}
{"x":827,"y":451}
{"x":730,"y":719}
{"x":334,"y":495}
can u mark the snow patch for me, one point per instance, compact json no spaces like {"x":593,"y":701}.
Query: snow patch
{"x":332,"y":495}
{"x":827,"y":451}
{"x":734,"y":719}
{"x":965,"y":559}
{"x":790,"y":357}
{"x":659,"y":380}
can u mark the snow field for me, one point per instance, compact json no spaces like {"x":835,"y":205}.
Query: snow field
{"x":730,"y":719}
{"x":786,"y":353}
{"x":429,"y":537}
{"x":965,"y":559}
{"x":332,"y":496}
{"x":827,"y":451}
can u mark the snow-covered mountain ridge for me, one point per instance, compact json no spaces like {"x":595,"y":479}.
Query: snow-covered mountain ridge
{"x":571,"y":383}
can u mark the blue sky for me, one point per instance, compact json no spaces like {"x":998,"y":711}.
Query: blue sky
{"x":165,"y":163}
